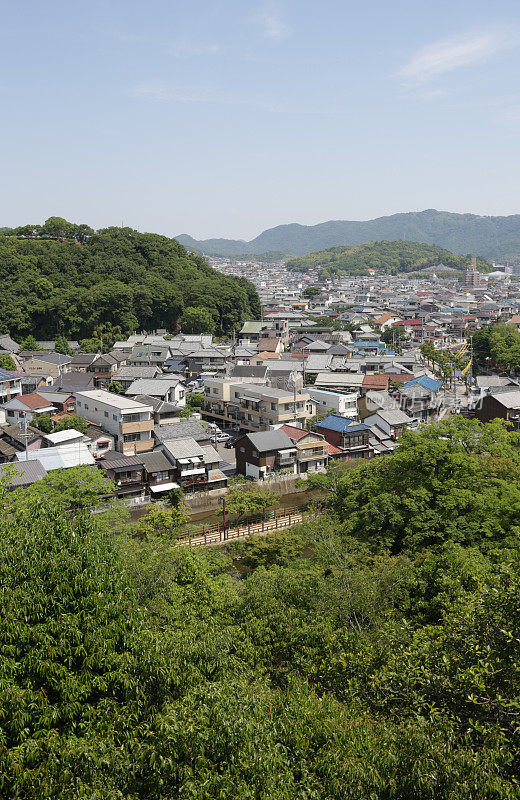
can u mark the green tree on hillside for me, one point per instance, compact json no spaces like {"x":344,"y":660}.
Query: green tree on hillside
{"x":7,"y":362}
{"x":61,"y":345}
{"x":197,"y":320}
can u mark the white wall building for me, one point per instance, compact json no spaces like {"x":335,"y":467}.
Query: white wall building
{"x":339,"y":403}
{"x":129,"y":422}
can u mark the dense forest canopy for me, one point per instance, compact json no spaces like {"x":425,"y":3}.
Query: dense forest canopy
{"x":65,"y":279}
{"x":371,"y":652}
{"x":387,"y":257}
{"x":486,"y":236}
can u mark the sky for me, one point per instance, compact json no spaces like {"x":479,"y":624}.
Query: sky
{"x":221,"y":118}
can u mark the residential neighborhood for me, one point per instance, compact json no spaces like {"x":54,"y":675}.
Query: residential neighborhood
{"x":338,"y":376}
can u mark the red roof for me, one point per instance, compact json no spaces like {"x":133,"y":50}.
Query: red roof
{"x":33,"y":400}
{"x":296,"y":433}
{"x":333,"y":450}
{"x":375,"y":382}
{"x":410,"y":322}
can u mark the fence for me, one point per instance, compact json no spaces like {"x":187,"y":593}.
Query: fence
{"x":213,"y":534}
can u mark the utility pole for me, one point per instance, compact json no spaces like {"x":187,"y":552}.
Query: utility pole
{"x":25,"y":435}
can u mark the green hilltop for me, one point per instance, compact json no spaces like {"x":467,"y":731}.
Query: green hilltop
{"x":486,"y":236}
{"x":386,"y":257}
{"x":68,"y":279}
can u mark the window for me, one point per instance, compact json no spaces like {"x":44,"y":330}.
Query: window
{"x":79,"y":403}
{"x":10,"y":413}
{"x":131,"y":437}
{"x":162,"y":475}
{"x":242,"y":449}
{"x":106,"y":413}
{"x":86,"y":407}
{"x":273,"y":406}
{"x":254,"y":453}
{"x":132,"y":418}
{"x":102,"y":445}
{"x":115,"y":417}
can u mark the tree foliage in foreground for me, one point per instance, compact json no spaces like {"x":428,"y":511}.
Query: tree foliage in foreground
{"x":338,"y":666}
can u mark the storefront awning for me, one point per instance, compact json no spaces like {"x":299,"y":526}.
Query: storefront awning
{"x":164,"y":487}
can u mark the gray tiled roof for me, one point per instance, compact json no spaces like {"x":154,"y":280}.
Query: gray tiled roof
{"x":156,"y":462}
{"x":184,"y":448}
{"x":31,"y":471}
{"x":180,"y":430}
{"x":269,"y":440}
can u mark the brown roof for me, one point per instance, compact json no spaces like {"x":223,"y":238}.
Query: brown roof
{"x":375,"y":382}
{"x":33,"y":400}
{"x":270,"y":345}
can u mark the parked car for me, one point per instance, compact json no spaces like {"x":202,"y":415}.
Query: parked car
{"x":222,"y":437}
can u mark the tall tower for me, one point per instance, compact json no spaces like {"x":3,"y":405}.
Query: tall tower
{"x":471,"y":274}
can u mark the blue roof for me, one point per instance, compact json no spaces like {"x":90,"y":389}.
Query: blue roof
{"x":424,"y":381}
{"x":6,"y":376}
{"x":360,"y":427}
{"x":335,"y":422}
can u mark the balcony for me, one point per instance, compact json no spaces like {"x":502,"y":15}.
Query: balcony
{"x":136,"y":427}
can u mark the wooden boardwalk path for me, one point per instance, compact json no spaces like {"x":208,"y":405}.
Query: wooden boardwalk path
{"x":216,"y":534}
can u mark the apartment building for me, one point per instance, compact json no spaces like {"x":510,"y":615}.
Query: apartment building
{"x":129,"y":422}
{"x":326,"y":401}
{"x":252,"y":406}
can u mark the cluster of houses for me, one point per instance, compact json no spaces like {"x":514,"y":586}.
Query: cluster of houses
{"x":290,"y":392}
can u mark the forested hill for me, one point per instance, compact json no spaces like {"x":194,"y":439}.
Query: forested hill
{"x":489,"y":237}
{"x":66,"y":279}
{"x":387,"y":257}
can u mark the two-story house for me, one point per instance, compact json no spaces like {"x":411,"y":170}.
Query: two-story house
{"x":27,"y":407}
{"x":10,"y":386}
{"x":196,"y":467}
{"x":391,"y":422}
{"x":258,"y":455}
{"x":349,"y":436}
{"x":312,"y":451}
{"x":166,"y":388}
{"x":126,"y":375}
{"x":145,"y":355}
{"x":159,"y":473}
{"x":130,"y":423}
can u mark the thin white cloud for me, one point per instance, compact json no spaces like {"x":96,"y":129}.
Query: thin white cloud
{"x":459,"y":51}
{"x":157,"y":93}
{"x":186,"y":49}
{"x":272,"y":23}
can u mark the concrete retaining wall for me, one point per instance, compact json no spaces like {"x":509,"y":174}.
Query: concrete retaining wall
{"x":208,"y":501}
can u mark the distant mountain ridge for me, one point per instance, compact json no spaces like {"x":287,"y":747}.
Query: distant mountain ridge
{"x":489,"y":237}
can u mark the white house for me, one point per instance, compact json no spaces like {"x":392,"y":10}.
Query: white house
{"x":337,"y":402}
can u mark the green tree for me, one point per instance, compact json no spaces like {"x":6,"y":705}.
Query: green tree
{"x":311,"y":292}
{"x":72,"y":422}
{"x":196,"y":400}
{"x":44,"y":423}
{"x":68,"y":489}
{"x":442,"y":484}
{"x":90,"y":345}
{"x":395,"y":334}
{"x":164,"y":521}
{"x":116,"y":388}
{"x":197,"y":320}
{"x":61,"y":345}
{"x":29,"y":344}
{"x":7,"y":362}
{"x":247,"y":502}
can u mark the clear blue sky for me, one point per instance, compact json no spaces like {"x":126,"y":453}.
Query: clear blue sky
{"x":225,"y":117}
